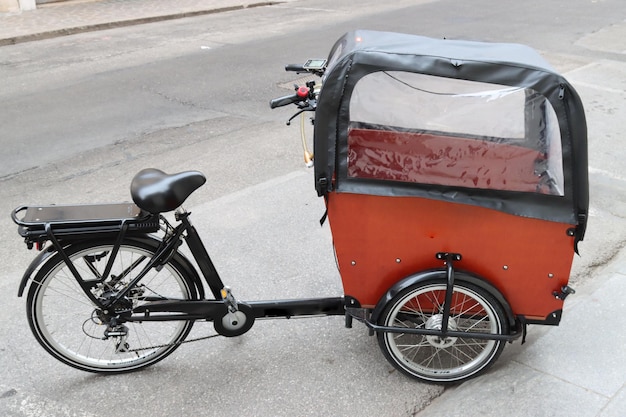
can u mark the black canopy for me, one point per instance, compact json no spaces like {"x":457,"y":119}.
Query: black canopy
{"x":386,"y":92}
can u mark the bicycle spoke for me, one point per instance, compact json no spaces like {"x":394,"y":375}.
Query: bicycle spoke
{"x":67,"y":323}
{"x":439,"y":357}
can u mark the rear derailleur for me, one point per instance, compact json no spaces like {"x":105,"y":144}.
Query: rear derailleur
{"x":120,"y":332}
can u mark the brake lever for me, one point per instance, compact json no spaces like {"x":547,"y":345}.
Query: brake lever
{"x":309,"y":107}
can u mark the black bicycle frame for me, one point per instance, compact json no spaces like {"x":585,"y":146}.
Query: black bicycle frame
{"x":206,"y":309}
{"x":201,"y":255}
{"x":200,"y":309}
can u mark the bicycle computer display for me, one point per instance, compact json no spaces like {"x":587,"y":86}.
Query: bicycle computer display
{"x":314,"y":64}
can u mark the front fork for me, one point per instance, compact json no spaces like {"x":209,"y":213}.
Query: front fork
{"x":449,"y":259}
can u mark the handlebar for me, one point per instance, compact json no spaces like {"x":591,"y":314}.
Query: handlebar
{"x":295,"y":67}
{"x":284,"y":101}
{"x":305,"y":98}
{"x":303,"y":93}
{"x":312,"y":66}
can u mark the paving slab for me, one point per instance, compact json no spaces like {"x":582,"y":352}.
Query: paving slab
{"x":575,"y":369}
{"x":583,"y":349}
{"x":515,"y":391}
{"x":616,"y":406}
{"x":608,"y":39}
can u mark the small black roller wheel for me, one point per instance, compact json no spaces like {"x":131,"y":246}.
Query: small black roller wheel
{"x":237,"y":323}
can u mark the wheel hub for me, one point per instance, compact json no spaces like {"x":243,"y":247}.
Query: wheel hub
{"x":435,"y":323}
{"x":114,"y":310}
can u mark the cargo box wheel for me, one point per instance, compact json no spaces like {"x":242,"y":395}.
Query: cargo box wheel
{"x":439,"y":359}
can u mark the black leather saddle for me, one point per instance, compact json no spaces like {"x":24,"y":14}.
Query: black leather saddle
{"x":157,"y":192}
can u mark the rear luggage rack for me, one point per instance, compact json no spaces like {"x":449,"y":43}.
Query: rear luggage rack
{"x":75,"y":221}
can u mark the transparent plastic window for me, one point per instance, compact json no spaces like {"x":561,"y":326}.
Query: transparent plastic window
{"x":432,"y":130}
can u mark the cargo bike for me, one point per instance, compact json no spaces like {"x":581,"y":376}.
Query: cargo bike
{"x":454,"y":175}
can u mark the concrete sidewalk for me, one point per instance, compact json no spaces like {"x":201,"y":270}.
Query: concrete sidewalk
{"x":66,"y":18}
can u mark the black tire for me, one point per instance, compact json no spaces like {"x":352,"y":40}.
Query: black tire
{"x":70,"y":327}
{"x":433,"y":359}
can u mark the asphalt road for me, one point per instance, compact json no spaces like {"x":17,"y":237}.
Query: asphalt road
{"x":79,"y":115}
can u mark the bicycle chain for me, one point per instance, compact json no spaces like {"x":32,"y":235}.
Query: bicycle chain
{"x":172,"y":344}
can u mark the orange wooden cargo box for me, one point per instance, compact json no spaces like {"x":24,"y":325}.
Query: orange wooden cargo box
{"x":483,"y":155}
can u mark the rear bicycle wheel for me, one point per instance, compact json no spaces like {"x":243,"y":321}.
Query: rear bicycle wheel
{"x":432,"y":358}
{"x":72,"y":329}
